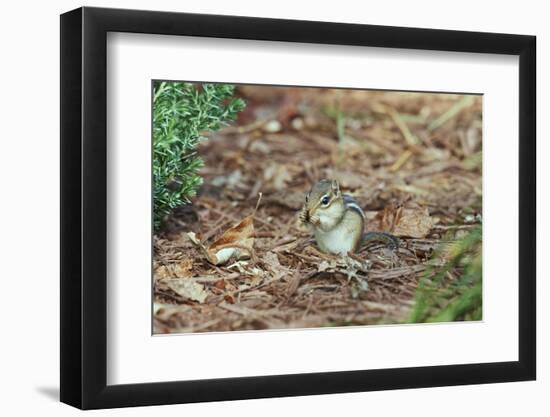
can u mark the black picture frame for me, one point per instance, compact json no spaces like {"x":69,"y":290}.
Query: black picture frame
{"x":84,"y":207}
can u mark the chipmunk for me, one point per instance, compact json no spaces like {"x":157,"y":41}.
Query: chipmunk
{"x":337,"y":220}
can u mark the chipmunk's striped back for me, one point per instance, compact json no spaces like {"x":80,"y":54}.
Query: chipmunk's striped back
{"x":351,"y":203}
{"x":391,"y":241}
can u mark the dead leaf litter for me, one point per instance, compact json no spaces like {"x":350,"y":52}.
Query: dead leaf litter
{"x":408,"y":158}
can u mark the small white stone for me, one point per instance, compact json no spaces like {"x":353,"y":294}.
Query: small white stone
{"x":273,"y":126}
{"x":297,"y":123}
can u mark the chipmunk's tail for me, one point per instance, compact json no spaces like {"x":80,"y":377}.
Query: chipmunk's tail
{"x":390,"y":240}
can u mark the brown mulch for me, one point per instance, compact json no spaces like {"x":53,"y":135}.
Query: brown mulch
{"x":402,"y":155}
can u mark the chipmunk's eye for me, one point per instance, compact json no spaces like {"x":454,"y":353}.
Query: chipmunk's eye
{"x":307,"y":198}
{"x":325,"y":200}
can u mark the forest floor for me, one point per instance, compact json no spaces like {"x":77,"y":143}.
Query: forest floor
{"x":413,"y":162}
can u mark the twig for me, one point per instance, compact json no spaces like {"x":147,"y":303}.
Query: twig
{"x":455,"y":226}
{"x":257,"y":204}
{"x":455,"y":109}
{"x":231,"y":276}
{"x":394,"y":273}
{"x":401,"y":160}
{"x":239,"y":130}
{"x":282,"y":242}
{"x":403,"y":128}
{"x":177,"y":298}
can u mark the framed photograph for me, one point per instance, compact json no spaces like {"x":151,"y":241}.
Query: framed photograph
{"x":257,"y":208}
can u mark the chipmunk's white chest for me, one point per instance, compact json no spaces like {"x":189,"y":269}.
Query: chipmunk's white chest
{"x":341,"y":239}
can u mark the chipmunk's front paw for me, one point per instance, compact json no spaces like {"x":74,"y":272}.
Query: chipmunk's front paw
{"x":303,"y":216}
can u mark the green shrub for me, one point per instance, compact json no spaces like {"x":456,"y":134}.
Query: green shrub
{"x":182,"y":113}
{"x":437,"y":299}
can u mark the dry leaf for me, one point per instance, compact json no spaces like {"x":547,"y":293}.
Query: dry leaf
{"x":177,"y":270}
{"x":293,"y":283}
{"x":157,"y":307}
{"x":230,"y":298}
{"x":220,"y":284}
{"x":271,"y":260}
{"x":413,"y":222}
{"x":183,"y":269}
{"x":235,"y":242}
{"x":194,"y":238}
{"x":162,"y":272}
{"x":350,"y":266}
{"x":254,"y":275}
{"x":188,"y":289}
{"x":238,"y":242}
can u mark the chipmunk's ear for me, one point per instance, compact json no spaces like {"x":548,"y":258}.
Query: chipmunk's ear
{"x":335,"y":187}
